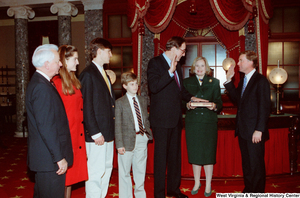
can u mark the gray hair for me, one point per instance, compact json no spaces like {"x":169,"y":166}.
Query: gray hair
{"x":42,"y":54}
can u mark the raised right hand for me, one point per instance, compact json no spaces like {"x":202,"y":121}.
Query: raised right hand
{"x":173,"y":65}
{"x":230,"y":73}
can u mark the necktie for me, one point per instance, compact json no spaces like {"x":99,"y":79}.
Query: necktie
{"x":176,"y":79}
{"x":244,"y":85}
{"x":138,"y":115}
{"x":106,"y":79}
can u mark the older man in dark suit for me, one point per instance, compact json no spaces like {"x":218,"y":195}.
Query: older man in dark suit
{"x":253,"y":102}
{"x":167,"y":92}
{"x":99,"y":119}
{"x":49,"y":141}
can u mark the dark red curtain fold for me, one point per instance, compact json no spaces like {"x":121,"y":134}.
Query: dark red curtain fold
{"x":248,"y":4}
{"x":202,"y":19}
{"x":173,"y":18}
{"x":156,"y":14}
{"x":266,"y":10}
{"x":231,"y":14}
{"x":228,"y":157}
{"x":232,"y":10}
{"x":159,"y":14}
{"x":174,"y":29}
{"x":233,"y":44}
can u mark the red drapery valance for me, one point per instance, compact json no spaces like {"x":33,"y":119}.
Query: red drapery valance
{"x":173,"y":18}
{"x":155,"y":14}
{"x":231,"y":14}
{"x":202,"y":19}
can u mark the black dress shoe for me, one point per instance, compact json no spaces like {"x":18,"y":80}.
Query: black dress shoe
{"x":177,"y":195}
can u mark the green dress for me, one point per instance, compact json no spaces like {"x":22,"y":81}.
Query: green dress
{"x":201,"y":123}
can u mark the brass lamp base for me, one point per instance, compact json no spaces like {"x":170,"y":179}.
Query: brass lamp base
{"x":277,"y":113}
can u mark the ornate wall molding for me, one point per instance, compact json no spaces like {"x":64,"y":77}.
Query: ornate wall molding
{"x":21,"y":12}
{"x":64,"y":9}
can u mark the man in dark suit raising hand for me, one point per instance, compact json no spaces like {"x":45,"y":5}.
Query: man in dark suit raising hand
{"x":253,"y":102}
{"x":167,"y":92}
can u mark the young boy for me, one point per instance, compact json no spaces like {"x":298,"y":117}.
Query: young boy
{"x":132,"y":132}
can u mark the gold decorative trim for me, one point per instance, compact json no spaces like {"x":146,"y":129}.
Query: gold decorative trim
{"x":180,"y":1}
{"x":242,"y":32}
{"x":258,"y":42}
{"x":134,"y":20}
{"x":220,"y":43}
{"x":249,"y":2}
{"x":157,"y":36}
{"x":262,"y":2}
{"x":144,"y":6}
{"x":139,"y":59}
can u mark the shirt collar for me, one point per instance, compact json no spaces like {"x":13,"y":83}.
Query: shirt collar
{"x":43,"y":74}
{"x":98,"y":66}
{"x":130,"y":97}
{"x":167,"y":59}
{"x":250,"y":74}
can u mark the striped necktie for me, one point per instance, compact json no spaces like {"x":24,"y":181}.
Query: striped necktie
{"x":138,"y":115}
{"x":244,"y":85}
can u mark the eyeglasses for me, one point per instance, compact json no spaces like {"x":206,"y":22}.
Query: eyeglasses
{"x":183,"y":50}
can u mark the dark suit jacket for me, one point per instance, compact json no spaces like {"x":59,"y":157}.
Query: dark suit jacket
{"x":125,"y":126}
{"x":166,"y":97}
{"x":253,"y":108}
{"x":49,"y":139}
{"x":209,"y":90}
{"x":98,"y":105}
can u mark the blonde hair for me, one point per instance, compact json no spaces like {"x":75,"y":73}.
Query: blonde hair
{"x":207,"y":68}
{"x":68,"y":79}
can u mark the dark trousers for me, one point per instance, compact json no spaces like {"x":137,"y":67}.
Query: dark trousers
{"x":253,"y":164}
{"x":49,"y":185}
{"x":167,"y":156}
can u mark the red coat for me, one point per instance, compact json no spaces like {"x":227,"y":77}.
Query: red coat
{"x":73,"y":106}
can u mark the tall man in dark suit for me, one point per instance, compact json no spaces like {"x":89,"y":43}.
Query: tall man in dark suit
{"x":253,"y":102}
{"x":167,"y":92}
{"x":49,"y":141}
{"x":98,"y":117}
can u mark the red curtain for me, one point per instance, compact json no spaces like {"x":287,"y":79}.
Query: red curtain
{"x":228,"y":156}
{"x":233,"y":43}
{"x":174,"y":29}
{"x":160,"y":16}
{"x":202,"y":19}
{"x":264,"y":13}
{"x":156,"y":14}
{"x":231,"y":14}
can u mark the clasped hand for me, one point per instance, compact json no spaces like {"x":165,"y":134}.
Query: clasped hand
{"x":194,"y":99}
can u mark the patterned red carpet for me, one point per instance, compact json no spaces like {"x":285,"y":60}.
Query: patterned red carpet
{"x":16,"y":181}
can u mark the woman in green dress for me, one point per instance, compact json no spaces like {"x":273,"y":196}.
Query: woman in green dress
{"x":201,"y":122}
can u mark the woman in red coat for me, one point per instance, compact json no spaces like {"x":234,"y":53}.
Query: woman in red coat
{"x":68,"y":87}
